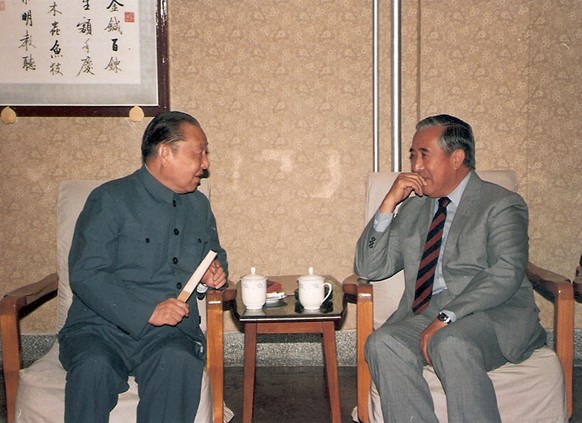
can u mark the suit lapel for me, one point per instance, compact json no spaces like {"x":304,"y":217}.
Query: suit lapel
{"x":467,"y":207}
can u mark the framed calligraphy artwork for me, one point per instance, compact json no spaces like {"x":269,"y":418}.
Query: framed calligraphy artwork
{"x":84,"y":57}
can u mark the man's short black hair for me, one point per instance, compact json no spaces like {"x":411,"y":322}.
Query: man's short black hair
{"x":165,"y":128}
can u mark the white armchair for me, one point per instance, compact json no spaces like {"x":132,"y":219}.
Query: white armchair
{"x":539,"y":389}
{"x":36,"y":393}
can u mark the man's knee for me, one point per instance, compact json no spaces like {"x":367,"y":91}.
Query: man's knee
{"x":176,"y":354}
{"x":98,"y":365}
{"x":380,"y":344}
{"x":371,"y":347}
{"x":442,"y":342}
{"x":447,"y":347}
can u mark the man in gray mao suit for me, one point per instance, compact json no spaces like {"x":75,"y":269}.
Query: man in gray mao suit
{"x":467,"y":306}
{"x":136,"y":244}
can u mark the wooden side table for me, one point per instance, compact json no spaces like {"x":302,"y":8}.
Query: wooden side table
{"x":287,"y":318}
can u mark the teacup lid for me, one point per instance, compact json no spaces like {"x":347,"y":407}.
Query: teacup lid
{"x":253,"y":276}
{"x":311,"y":276}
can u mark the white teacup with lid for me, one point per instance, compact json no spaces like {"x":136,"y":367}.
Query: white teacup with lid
{"x":253,"y":290}
{"x":312,"y":290}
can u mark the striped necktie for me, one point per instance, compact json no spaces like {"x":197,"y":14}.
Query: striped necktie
{"x":430,"y":256}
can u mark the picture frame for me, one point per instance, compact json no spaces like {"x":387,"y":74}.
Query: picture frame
{"x":142,"y":31}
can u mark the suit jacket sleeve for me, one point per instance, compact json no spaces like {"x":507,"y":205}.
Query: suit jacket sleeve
{"x":377,"y":253}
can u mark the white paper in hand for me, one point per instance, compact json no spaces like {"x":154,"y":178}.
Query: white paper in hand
{"x":197,"y":276}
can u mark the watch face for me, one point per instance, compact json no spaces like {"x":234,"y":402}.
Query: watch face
{"x":443,"y":318}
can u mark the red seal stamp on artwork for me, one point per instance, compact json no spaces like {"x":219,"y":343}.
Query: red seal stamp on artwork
{"x":129,"y":17}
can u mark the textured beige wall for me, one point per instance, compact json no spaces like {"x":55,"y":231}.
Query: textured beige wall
{"x":284,"y":91}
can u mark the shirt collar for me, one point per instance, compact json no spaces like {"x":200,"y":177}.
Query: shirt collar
{"x":457,"y":193}
{"x":154,"y":187}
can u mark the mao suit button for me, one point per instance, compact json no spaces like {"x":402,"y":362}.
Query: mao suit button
{"x":175,"y":260}
{"x":179,"y":285}
{"x":176,"y":231}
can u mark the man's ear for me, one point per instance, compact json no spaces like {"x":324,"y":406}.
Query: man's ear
{"x":164,"y":153}
{"x":458,"y":158}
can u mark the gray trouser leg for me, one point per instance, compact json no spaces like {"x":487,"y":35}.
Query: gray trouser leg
{"x":462,"y":354}
{"x":395,"y":361}
{"x":96,"y":375}
{"x":169,"y":380}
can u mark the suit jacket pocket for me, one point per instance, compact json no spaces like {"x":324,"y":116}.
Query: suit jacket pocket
{"x":138,"y":257}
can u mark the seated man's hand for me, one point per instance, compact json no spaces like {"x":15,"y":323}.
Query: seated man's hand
{"x":426,"y":336}
{"x":404,"y":185}
{"x":169,"y":312}
{"x":215,"y":277}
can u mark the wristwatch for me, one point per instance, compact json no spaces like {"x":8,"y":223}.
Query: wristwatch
{"x":444,"y":317}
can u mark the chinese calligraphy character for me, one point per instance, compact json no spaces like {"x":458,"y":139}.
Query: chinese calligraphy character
{"x":113,"y":5}
{"x":27,"y":18}
{"x":26,"y":41}
{"x":86,"y":66}
{"x":56,"y":49}
{"x":86,"y":5}
{"x":113,"y":65}
{"x":113,"y":25}
{"x":85,"y":27}
{"x":28,"y":63}
{"x":85,"y":47}
{"x":55,"y":69}
{"x":55,"y":30}
{"x":114,"y":45}
{"x":53,"y":9}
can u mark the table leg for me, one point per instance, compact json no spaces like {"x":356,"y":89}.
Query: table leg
{"x":331,"y":370}
{"x":250,"y":355}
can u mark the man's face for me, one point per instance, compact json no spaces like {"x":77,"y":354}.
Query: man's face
{"x":429,"y":160}
{"x":186,"y":161}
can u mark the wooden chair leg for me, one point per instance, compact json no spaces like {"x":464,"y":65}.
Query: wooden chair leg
{"x":11,"y":354}
{"x":364,"y":327}
{"x":215,"y":353}
{"x":564,"y":336}
{"x":561,"y":289}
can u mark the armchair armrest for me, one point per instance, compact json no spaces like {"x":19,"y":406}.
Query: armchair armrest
{"x":216,"y":302}
{"x":560,"y":291}
{"x":26,"y":298}
{"x":359,"y":291}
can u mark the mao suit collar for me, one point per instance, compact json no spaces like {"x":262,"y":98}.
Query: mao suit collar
{"x":154,"y":187}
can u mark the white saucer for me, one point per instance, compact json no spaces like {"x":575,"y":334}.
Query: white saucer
{"x":274,"y":297}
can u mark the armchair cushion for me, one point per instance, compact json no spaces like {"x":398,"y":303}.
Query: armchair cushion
{"x":46,"y":376}
{"x":532,"y":385}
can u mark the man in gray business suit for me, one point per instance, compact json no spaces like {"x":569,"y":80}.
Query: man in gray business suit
{"x":136,"y":244}
{"x":467,"y":306}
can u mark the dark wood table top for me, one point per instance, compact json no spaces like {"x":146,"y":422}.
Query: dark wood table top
{"x":288,"y":308}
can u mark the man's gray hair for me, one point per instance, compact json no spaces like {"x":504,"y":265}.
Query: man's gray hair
{"x":456,"y":134}
{"x":165,"y":128}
